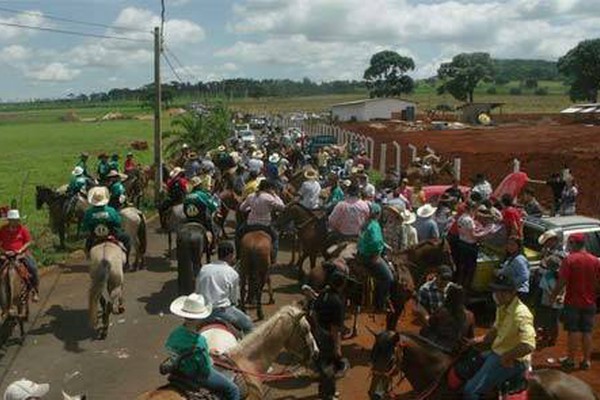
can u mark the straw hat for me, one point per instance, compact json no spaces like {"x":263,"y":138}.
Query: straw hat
{"x":544,"y":237}
{"x":114,"y":174}
{"x":346,"y":183}
{"x":77,"y":171}
{"x":176,"y":171}
{"x":98,"y":196}
{"x":191,"y":307}
{"x":408,"y":217}
{"x":426,"y":211}
{"x":192,"y":155}
{"x":274,"y":158}
{"x":221,"y":148}
{"x":13,"y":215}
{"x":311,"y":174}
{"x":258,"y":154}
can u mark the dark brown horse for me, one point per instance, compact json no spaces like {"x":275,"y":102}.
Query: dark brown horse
{"x":229,"y":203}
{"x":14,"y":293}
{"x":60,"y":214}
{"x":135,"y":186}
{"x":425,"y":366}
{"x":255,"y":260}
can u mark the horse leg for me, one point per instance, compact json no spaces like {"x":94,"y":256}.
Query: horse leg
{"x":243,"y":283}
{"x":354,"y":332}
{"x":259,"y":285}
{"x":270,"y":289}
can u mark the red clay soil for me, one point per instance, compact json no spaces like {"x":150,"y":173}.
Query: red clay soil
{"x":542,"y":149}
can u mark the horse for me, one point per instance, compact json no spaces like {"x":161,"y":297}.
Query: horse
{"x":135,"y":186}
{"x":107,"y":260}
{"x":288,"y":329}
{"x":418,"y":172}
{"x":134,"y":224}
{"x":59,"y":215}
{"x":230,"y":201}
{"x":311,"y":234}
{"x":426,"y":367}
{"x":255,"y":260}
{"x":14,"y":293}
{"x":174,"y":218}
{"x":190,"y":246}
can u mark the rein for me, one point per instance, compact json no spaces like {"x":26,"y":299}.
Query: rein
{"x":230,"y":365}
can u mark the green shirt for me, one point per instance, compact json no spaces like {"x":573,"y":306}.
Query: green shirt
{"x":200,"y":199}
{"x":182,"y":341}
{"x":83,"y":165}
{"x":103,"y":215}
{"x":113,"y":165}
{"x":117,"y":189}
{"x":77,"y":184}
{"x":370,"y":241}
{"x":337,"y":195}
{"x":103,"y":169}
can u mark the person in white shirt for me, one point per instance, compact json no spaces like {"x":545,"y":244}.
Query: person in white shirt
{"x":219,"y":283}
{"x":310,"y":190}
{"x":482,"y":186}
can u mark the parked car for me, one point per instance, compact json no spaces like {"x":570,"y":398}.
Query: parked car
{"x":317,"y":142}
{"x":246,"y":136}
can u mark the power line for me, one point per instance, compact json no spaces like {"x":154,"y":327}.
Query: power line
{"x":180,"y":64}
{"x":73,"y":21}
{"x":172,"y":68}
{"x":74,"y":33}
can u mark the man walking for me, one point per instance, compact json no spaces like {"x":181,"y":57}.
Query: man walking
{"x":580,"y":275}
{"x":219,"y":283}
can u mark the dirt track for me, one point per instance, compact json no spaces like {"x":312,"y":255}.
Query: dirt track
{"x":542,"y":149}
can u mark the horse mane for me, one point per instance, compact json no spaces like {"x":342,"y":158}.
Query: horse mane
{"x":426,"y":343}
{"x":258,"y":335}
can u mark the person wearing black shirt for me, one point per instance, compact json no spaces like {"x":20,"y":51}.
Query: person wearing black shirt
{"x":557,"y":184}
{"x":329,"y":311}
{"x":455,"y":193}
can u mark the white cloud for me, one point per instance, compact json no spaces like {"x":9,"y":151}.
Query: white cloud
{"x":14,"y":54}
{"x":53,"y":72}
{"x":12,"y":33}
{"x":177,"y":3}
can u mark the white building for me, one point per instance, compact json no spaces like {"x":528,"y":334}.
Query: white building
{"x":373,"y":109}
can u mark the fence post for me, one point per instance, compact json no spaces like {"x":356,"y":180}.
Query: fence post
{"x":371,"y":151}
{"x":516,"y":165}
{"x":457,"y":167}
{"x":413,"y":152}
{"x":382,"y":157}
{"x":398,"y":157}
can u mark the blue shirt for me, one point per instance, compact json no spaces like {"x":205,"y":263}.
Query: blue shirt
{"x":517,"y":268}
{"x":427,"y":229}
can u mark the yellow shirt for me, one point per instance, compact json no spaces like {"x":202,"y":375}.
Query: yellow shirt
{"x":251,"y":187}
{"x":514,"y":325}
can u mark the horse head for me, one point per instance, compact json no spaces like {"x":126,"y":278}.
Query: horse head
{"x":300,"y":341}
{"x":43,"y":195}
{"x":384,"y":363}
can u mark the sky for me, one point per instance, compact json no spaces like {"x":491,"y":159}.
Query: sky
{"x":319,"y":39}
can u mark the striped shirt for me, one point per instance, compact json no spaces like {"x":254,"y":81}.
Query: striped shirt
{"x":261,"y":205}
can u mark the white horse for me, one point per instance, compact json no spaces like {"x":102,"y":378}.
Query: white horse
{"x":134,"y":224}
{"x":174,"y":219}
{"x":107,"y":260}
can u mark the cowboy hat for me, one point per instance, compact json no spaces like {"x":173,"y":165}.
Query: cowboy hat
{"x":176,"y":171}
{"x":129,"y":154}
{"x":191,"y":307}
{"x":98,"y":196}
{"x":311,"y":174}
{"x":408,"y":217}
{"x":77,"y":171}
{"x":503,"y":283}
{"x":544,"y":237}
{"x":13,"y":214}
{"x":195,"y":181}
{"x":185,"y":146}
{"x":274,"y":158}
{"x":25,"y":389}
{"x":102,"y":155}
{"x":192,"y":155}
{"x":258,"y":154}
{"x":426,"y":211}
{"x":84,"y":154}
{"x":221,"y":148}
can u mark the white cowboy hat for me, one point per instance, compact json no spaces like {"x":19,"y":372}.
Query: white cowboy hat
{"x":426,"y":210}
{"x":235,"y":156}
{"x":191,"y":307}
{"x":346,"y":183}
{"x":25,"y":389}
{"x":98,"y":196}
{"x":311,"y":174}
{"x":544,"y":237}
{"x":258,"y":154}
{"x":77,"y":171}
{"x":113,"y":173}
{"x":185,"y":146}
{"x":13,"y":214}
{"x":274,"y":158}
{"x":221,"y":148}
{"x":408,"y":217}
{"x":176,"y":171}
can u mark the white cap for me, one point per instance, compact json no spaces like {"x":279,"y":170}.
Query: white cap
{"x":13,"y":214}
{"x":24,"y":389}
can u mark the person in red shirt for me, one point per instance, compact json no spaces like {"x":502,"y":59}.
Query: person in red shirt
{"x":580,"y":275}
{"x":512,"y":217}
{"x":129,"y":163}
{"x":16,"y":239}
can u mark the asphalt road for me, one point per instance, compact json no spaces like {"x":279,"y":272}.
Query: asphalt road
{"x":60,"y":348}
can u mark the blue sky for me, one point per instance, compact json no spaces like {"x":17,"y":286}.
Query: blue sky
{"x":319,"y":39}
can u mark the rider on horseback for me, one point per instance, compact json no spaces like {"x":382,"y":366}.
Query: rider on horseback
{"x":310,"y":190}
{"x":103,"y":221}
{"x":348,"y":216}
{"x":80,"y":183}
{"x":82,"y":163}
{"x":113,"y":164}
{"x":118,"y":195}
{"x":200,"y":205}
{"x":15,"y":239}
{"x":103,"y":167}
{"x":130,"y":165}
{"x":177,"y":188}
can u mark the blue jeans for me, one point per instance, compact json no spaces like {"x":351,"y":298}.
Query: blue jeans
{"x":490,"y":375}
{"x":382,"y":273}
{"x":236,"y":317}
{"x":221,"y":385}
{"x":31,"y":266}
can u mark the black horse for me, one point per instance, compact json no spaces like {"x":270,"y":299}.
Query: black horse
{"x":190,"y":246}
{"x":60,"y":214}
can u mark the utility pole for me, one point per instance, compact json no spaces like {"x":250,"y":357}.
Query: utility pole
{"x":157,"y":117}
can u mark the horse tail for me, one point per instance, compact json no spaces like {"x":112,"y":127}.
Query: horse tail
{"x":142,"y":235}
{"x":253,"y":274}
{"x":99,"y":283}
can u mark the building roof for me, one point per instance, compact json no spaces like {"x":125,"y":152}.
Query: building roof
{"x":592,"y":108}
{"x":356,"y":102}
{"x":490,"y":105}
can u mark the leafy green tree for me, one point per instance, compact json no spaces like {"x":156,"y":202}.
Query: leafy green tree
{"x":386,"y":75}
{"x":581,"y":66}
{"x":463,"y":73}
{"x":201,"y":131}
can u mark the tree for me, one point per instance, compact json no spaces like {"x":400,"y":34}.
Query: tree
{"x":386,"y":75}
{"x":463,"y":73}
{"x":581,"y":66}
{"x":202,"y":132}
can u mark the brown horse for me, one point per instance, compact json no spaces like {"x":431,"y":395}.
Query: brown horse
{"x":60,"y":214}
{"x":288,"y":330}
{"x":229,"y":202}
{"x":311,"y":234}
{"x":14,"y":293}
{"x":425,"y":366}
{"x":135,"y":186}
{"x":255,"y":260}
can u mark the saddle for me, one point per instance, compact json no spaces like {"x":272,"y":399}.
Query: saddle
{"x":107,"y":239}
{"x":218,"y":323}
{"x":468,"y":365}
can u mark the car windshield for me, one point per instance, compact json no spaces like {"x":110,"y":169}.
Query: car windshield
{"x":592,"y":242}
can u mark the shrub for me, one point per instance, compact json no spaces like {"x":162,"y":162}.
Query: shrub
{"x":541,"y":91}
{"x":492,"y":90}
{"x":516,"y":91}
